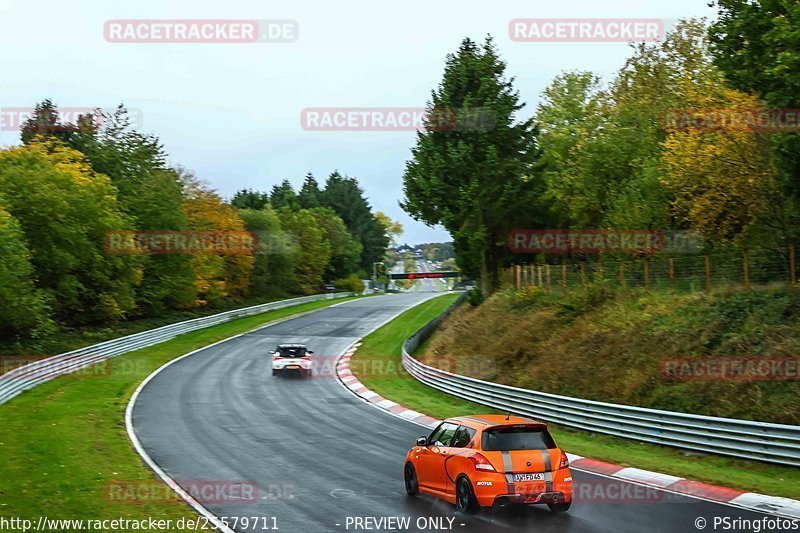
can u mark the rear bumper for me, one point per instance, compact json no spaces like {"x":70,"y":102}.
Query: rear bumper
{"x":304,"y":365}
{"x":493,"y":488}
{"x":531,"y":499}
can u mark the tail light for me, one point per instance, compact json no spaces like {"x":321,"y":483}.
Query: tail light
{"x":276,"y":357}
{"x":481,"y":463}
{"x":564,"y":461}
{"x":307,"y":357}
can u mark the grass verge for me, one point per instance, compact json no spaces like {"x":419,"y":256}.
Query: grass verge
{"x":377,"y":364}
{"x":64,"y":441}
{"x":66,"y":339}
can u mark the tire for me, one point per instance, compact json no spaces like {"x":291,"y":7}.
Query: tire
{"x":274,"y":372}
{"x":411,"y":480}
{"x":306,"y":373}
{"x":560,"y":507}
{"x":466,"y":502}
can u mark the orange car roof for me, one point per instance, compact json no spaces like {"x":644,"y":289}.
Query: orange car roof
{"x":493,"y":420}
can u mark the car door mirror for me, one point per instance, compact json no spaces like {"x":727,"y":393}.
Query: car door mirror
{"x":422,"y":441}
{"x":272,"y":351}
{"x":309,"y":352}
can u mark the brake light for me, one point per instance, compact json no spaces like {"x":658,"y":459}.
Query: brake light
{"x":481,"y":463}
{"x":307,"y":357}
{"x":276,"y":357}
{"x":564,"y":460}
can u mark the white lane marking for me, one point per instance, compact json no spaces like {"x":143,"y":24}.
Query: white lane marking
{"x":137,"y":445}
{"x":197,"y":506}
{"x":573,"y":457}
{"x":645,"y":476}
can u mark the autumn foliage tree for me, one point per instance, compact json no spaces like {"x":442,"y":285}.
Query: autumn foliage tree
{"x":217,"y":275}
{"x":64,"y":210}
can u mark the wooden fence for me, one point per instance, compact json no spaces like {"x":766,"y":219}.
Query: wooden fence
{"x":680,"y":273}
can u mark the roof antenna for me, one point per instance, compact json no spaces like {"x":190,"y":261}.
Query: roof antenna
{"x":509,"y":415}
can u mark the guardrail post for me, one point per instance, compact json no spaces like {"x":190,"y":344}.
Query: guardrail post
{"x":646,"y":274}
{"x":583,"y":274}
{"x":622,"y":273}
{"x":548,"y":278}
{"x":564,"y":275}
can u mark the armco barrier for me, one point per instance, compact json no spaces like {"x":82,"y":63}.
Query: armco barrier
{"x":761,"y":441}
{"x":23,"y":378}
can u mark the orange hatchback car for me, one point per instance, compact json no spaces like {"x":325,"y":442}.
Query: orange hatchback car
{"x":486,"y":461}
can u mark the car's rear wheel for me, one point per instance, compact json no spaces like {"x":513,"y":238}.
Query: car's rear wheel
{"x":274,"y":372}
{"x":466,"y":502}
{"x":307,"y":373}
{"x":410,"y":478}
{"x":559,"y":507}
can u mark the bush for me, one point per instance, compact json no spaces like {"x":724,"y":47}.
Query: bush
{"x":475,"y":297}
{"x":351,"y":283}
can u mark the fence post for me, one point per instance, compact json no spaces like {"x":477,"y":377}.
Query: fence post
{"x":671,"y":275}
{"x":646,"y":274}
{"x":547,"y":267}
{"x":564,"y":274}
{"x":745,"y":266}
{"x":539,"y":273}
{"x":583,"y":274}
{"x":708,"y":274}
{"x":517,"y":277}
{"x":793,"y":274}
{"x":622,"y":273}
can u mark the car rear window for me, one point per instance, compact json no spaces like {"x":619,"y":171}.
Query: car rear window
{"x":291,"y":351}
{"x":517,"y":438}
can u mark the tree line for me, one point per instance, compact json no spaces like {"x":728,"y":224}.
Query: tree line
{"x":602,"y":155}
{"x":69,"y":185}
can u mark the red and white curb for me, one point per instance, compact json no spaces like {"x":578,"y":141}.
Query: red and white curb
{"x":752,"y":501}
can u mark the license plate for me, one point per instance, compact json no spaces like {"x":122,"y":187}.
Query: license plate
{"x":293,"y":366}
{"x":529,"y":477}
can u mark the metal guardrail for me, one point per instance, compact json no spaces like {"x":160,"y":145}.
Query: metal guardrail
{"x":760,"y":441}
{"x":28,"y":376}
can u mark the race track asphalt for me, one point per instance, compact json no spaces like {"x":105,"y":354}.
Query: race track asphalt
{"x":318,"y":454}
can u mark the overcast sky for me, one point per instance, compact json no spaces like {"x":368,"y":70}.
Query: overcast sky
{"x":231,"y":112}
